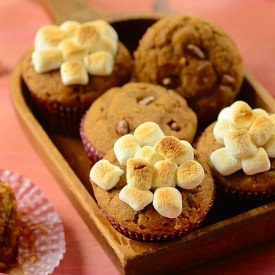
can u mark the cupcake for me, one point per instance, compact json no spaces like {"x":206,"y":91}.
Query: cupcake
{"x":152,"y":187}
{"x":9,"y":231}
{"x":120,"y":110}
{"x":195,"y":58}
{"x":69,"y":67}
{"x":240,"y":148}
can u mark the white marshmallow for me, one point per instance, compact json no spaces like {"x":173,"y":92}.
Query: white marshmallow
{"x":168,"y":202}
{"x":148,"y":133}
{"x":139,"y":173}
{"x":259,"y":111}
{"x":148,"y":153}
{"x":272,"y":118}
{"x":225,"y":113}
{"x":190,"y":174}
{"x":70,"y":27}
{"x":70,"y":50}
{"x":137,"y":199}
{"x":125,"y":147}
{"x":270,"y":146}
{"x":224,"y":162}
{"x":241,"y":114}
{"x":239,"y":143}
{"x":164,"y":174}
{"x":257,"y":163}
{"x":105,"y":174}
{"x":108,"y":45}
{"x":220,"y":128}
{"x":73,"y":72}
{"x":99,"y":63}
{"x":47,"y":60}
{"x":48,"y":37}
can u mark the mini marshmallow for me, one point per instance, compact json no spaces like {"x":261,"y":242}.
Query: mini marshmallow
{"x":241,"y":114}
{"x":104,"y":29}
{"x":148,"y":133}
{"x":108,"y":45}
{"x":225,"y":113}
{"x":125,"y":147}
{"x":70,"y":27}
{"x":139,"y":173}
{"x":257,"y":163}
{"x":48,"y":37}
{"x":260,"y":111}
{"x":261,"y":130}
{"x":174,"y":149}
{"x":272,"y":118}
{"x":137,"y":199}
{"x":99,"y":63}
{"x":239,"y":143}
{"x":190,"y":174}
{"x":164,"y":174}
{"x":270,"y":146}
{"x":73,"y":72}
{"x":70,"y":50}
{"x":220,"y":128}
{"x":46,"y":60}
{"x":148,"y":153}
{"x":87,"y":36}
{"x":168,"y":202}
{"x":105,"y":174}
{"x":224,"y":162}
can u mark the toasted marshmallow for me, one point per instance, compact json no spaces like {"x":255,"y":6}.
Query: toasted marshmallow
{"x":164,"y":174}
{"x":224,"y":162}
{"x":220,"y":128}
{"x":241,"y":114}
{"x":70,"y":50}
{"x":168,"y":202}
{"x":261,"y":130}
{"x":257,"y":163}
{"x":46,"y":60}
{"x":225,"y":113}
{"x":135,"y":198}
{"x":174,"y":149}
{"x":73,"y":72}
{"x":99,"y":63}
{"x":148,"y":133}
{"x":270,"y":146}
{"x":260,"y":111}
{"x":148,"y":153}
{"x":139,"y":173}
{"x":272,"y":118}
{"x":107,"y":44}
{"x":239,"y":143}
{"x":70,"y":27}
{"x":87,"y":36}
{"x":104,"y":28}
{"x":48,"y":37}
{"x":190,"y":174}
{"x":105,"y":174}
{"x":125,"y":147}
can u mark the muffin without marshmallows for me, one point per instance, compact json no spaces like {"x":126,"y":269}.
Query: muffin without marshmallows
{"x":120,"y":110}
{"x":70,"y":66}
{"x":195,"y":58}
{"x":153,"y":187}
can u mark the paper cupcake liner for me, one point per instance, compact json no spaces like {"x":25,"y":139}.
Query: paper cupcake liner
{"x":93,"y":154}
{"x":41,"y":243}
{"x":58,"y":118}
{"x":155,"y":237}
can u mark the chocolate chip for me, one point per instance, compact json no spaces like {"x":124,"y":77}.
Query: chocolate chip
{"x":146,"y":100}
{"x":122,"y":127}
{"x":195,"y":50}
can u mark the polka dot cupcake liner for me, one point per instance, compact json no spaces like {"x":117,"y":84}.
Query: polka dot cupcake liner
{"x":41,"y":244}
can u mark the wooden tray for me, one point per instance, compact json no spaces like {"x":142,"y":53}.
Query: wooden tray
{"x":226,"y":230}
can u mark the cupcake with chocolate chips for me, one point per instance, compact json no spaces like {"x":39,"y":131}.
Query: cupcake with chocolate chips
{"x":153,"y":187}
{"x":195,"y":58}
{"x":121,"y":110}
{"x":240,"y":148}
{"x":69,"y":67}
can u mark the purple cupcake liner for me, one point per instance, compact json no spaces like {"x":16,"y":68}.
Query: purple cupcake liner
{"x":93,"y":154}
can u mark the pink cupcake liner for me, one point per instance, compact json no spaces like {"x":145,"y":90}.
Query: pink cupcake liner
{"x":93,"y":154}
{"x":41,"y":244}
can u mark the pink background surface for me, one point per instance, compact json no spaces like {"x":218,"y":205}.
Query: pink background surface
{"x":250,"y":23}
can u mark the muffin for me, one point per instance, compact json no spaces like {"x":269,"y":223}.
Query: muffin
{"x":120,"y":110}
{"x":240,"y":148}
{"x":69,"y":67}
{"x":152,"y":187}
{"x":195,"y":58}
{"x":9,"y":231}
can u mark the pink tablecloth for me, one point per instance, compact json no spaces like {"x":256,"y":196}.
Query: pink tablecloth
{"x":251,"y":24}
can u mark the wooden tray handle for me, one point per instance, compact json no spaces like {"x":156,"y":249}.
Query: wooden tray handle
{"x":79,"y":10}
